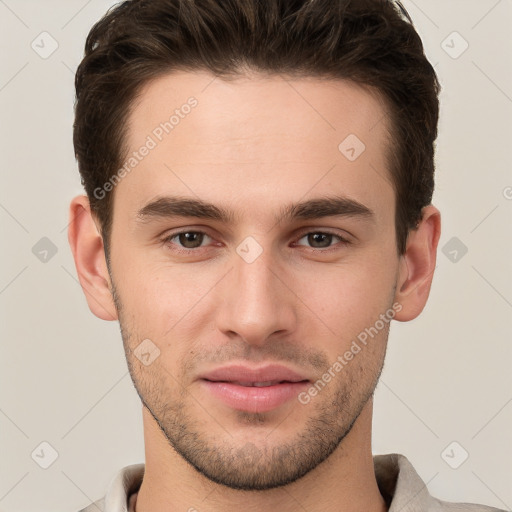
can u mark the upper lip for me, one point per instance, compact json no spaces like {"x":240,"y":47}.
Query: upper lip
{"x":246,"y":374}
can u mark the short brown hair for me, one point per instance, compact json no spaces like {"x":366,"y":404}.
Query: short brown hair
{"x":371,"y":42}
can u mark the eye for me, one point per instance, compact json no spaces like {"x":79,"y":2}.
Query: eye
{"x":321,"y":239}
{"x":191,"y":241}
{"x":187,"y":240}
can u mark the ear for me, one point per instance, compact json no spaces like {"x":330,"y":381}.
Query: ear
{"x":417,"y":265}
{"x":87,"y":247}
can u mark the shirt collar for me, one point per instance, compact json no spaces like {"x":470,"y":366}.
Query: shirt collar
{"x":400,"y":485}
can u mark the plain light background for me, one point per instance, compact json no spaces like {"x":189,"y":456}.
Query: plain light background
{"x":63,"y":375}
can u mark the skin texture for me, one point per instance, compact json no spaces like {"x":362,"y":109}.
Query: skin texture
{"x":253,"y":146}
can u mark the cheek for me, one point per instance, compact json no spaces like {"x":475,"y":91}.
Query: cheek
{"x":348,"y":298}
{"x":163,"y":301}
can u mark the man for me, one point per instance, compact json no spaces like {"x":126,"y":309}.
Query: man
{"x":259,"y":178}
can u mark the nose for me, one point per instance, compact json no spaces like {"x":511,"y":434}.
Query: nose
{"x":256,"y":302}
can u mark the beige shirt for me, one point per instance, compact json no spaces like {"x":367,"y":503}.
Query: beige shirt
{"x":399,"y":484}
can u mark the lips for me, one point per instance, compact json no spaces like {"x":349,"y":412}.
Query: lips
{"x":253,"y":389}
{"x":244,"y":374}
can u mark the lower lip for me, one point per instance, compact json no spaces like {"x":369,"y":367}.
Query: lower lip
{"x":252,"y":398}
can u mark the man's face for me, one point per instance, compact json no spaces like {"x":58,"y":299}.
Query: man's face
{"x":268,"y":285}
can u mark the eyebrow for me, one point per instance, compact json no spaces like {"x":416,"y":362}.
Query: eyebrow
{"x":175,"y":206}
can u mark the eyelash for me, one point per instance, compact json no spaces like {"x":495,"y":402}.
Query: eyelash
{"x":342,"y":241}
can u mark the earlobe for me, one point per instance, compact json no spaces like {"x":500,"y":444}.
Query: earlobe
{"x":417,"y":265}
{"x":87,"y":247}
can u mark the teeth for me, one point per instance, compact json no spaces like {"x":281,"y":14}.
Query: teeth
{"x":263,"y":384}
{"x":258,"y":384}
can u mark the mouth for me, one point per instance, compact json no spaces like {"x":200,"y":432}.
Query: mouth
{"x":254,"y":389}
{"x":256,"y":384}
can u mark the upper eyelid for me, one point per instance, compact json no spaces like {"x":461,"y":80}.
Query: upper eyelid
{"x":327,"y":231}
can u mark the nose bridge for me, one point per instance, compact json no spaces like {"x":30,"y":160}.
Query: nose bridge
{"x":256,"y":303}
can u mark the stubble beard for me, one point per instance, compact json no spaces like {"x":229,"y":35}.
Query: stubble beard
{"x":248,"y":466}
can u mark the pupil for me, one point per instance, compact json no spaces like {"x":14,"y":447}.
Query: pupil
{"x":315,"y":238}
{"x":191,"y":240}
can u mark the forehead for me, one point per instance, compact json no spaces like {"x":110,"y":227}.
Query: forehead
{"x":256,"y":138}
{"x":259,"y":103}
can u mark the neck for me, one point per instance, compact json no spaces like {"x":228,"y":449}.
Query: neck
{"x":345,"y":481}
